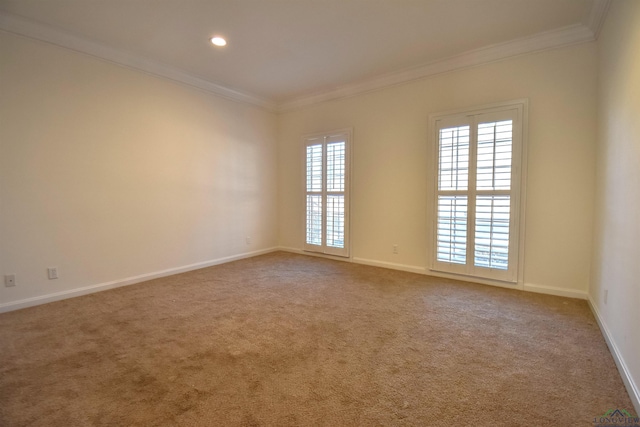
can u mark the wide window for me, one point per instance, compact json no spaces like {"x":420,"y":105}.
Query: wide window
{"x":327,"y":195}
{"x":478,"y":182}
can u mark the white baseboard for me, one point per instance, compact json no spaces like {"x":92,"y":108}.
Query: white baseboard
{"x":290,"y":249}
{"x":529,"y":287}
{"x":472,"y":279}
{"x":627,"y":379}
{"x":550,"y":290}
{"x":57,"y":296}
{"x":313,"y":254}
{"x":390,"y":265}
{"x":356,"y":260}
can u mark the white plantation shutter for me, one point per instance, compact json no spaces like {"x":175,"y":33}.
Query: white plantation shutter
{"x":477,"y":195}
{"x":452,"y":229}
{"x":314,"y":194}
{"x":453,"y":180}
{"x":335,"y":221}
{"x":494,"y":155}
{"x":492,"y":232}
{"x":453,"y":159}
{"x":493,"y":173}
{"x":336,"y":156}
{"x":314,"y":219}
{"x":327,"y":203}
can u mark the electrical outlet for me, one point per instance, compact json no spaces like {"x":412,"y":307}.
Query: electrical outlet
{"x":10,"y":280}
{"x":606,"y":295}
{"x":248,"y":240}
{"x":395,"y":249}
{"x":52,"y":273}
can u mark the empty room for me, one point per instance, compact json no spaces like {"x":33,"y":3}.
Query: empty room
{"x":319,"y":212}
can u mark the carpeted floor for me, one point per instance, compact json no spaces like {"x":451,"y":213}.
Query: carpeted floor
{"x":290,"y":340}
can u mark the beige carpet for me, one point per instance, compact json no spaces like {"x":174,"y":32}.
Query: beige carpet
{"x":290,"y":340}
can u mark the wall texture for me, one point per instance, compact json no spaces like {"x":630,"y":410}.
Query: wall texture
{"x":616,"y":260}
{"x":109,"y":173}
{"x":389,"y":167}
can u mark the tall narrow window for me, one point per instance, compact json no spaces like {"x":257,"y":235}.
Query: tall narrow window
{"x":477,"y":196}
{"x":326,"y":200}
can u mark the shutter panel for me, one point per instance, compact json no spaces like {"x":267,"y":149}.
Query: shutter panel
{"x":494,"y":155}
{"x":314,"y":167}
{"x":335,"y":221}
{"x":492,"y":232}
{"x":453,"y":168}
{"x":452,"y":199}
{"x":314,"y":220}
{"x":336,"y":152}
{"x":493,"y":173}
{"x":452,"y":229}
{"x":314,"y":162}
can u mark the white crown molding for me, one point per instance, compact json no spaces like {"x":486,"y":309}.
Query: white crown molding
{"x":566,"y":36}
{"x":561,"y":37}
{"x":27,"y":28}
{"x":597,"y":16}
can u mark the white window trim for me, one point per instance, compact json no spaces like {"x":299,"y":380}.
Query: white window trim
{"x":346,"y":253}
{"x":432,"y":188}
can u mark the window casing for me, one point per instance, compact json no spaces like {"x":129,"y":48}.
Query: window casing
{"x":326,"y":166}
{"x":478,"y":187}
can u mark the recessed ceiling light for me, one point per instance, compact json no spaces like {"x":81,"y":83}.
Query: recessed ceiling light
{"x":218,"y":41}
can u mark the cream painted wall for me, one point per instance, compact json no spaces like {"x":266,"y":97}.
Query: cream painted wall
{"x":389,"y":181}
{"x":108,"y":173}
{"x":616,"y":260}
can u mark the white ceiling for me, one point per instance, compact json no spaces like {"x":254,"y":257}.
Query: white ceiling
{"x":280,"y":51}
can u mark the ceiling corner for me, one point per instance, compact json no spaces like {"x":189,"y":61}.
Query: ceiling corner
{"x":597,"y":16}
